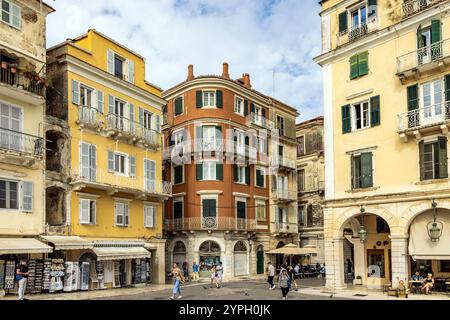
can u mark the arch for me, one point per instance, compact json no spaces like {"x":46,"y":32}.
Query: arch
{"x":179,"y":247}
{"x":240,"y":257}
{"x":352,"y":213}
{"x":209,"y":246}
{"x":280,"y":244}
{"x":87,"y":257}
{"x":240,"y":246}
{"x":417,"y":209}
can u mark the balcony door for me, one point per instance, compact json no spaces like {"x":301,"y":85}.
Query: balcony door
{"x":209,"y":138}
{"x":209,"y":213}
{"x":282,"y":186}
{"x":432,"y":95}
{"x":150,"y":175}
{"x":424,"y":46}
{"x":119,"y":112}
{"x":88,"y":161}
{"x":282,"y":215}
{"x":11,"y":136}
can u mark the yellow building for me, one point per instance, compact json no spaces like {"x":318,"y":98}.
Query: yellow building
{"x":386,"y":93}
{"x":22,"y":101}
{"x":104,"y":175}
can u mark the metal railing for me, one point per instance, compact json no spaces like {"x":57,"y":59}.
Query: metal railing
{"x":20,"y":79}
{"x":286,"y":227}
{"x":424,"y":117}
{"x":210,"y":223}
{"x":106,"y":178}
{"x":259,"y":120}
{"x":89,"y":116}
{"x":422,"y":56}
{"x":356,"y":32}
{"x":411,"y":7}
{"x":312,"y":187}
{"x":285,"y":194}
{"x":21,"y":143}
{"x":285,"y":162}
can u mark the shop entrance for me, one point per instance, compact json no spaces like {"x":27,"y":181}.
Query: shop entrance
{"x":260,"y":260}
{"x":209,"y":256}
{"x":240,"y":259}
{"x":279,"y":257}
{"x":179,"y":253}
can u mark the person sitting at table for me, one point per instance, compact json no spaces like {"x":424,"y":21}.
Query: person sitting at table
{"x":428,"y":283}
{"x":417,"y":277}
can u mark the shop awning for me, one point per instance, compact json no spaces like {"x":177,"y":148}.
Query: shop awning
{"x":69,"y":243}
{"x":420,"y":245}
{"x":293,"y":250}
{"x":150,"y":246}
{"x":23,"y":246}
{"x":121,"y":253}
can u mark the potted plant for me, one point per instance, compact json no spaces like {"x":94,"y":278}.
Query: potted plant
{"x":357,"y":281}
{"x":13,"y":68}
{"x":5,"y":65}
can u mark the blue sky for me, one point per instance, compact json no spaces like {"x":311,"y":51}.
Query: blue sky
{"x":259,"y":37}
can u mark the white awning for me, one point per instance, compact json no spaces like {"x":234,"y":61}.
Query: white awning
{"x":121,"y":253}
{"x":69,"y":243}
{"x":293,"y":250}
{"x":420,"y":245}
{"x":150,"y":246}
{"x":23,"y":246}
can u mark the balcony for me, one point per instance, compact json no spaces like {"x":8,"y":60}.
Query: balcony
{"x":90,"y":117}
{"x":21,"y":85}
{"x":260,"y":121}
{"x":356,"y":32}
{"x":113,"y":183}
{"x":318,"y":186}
{"x":284,"y":163}
{"x":432,"y":119}
{"x":284,"y":195}
{"x":20,"y":148}
{"x":427,"y":59}
{"x":285,"y":227}
{"x":210,"y":224}
{"x":411,"y":7}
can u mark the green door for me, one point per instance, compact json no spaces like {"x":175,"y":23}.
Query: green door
{"x":260,"y":261}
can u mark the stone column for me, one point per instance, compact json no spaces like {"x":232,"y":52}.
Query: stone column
{"x":159,"y":262}
{"x":334,"y":262}
{"x":399,"y":258}
{"x":359,"y":262}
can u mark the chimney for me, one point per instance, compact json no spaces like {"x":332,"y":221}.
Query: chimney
{"x":247,"y":81}
{"x":190,"y":73}
{"x":225,"y":73}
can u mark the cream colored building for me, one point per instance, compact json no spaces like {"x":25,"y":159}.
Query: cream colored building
{"x":386,"y":92}
{"x":311,"y":187}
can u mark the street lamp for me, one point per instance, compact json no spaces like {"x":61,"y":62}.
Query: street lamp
{"x":362,"y":228}
{"x":434,"y":227}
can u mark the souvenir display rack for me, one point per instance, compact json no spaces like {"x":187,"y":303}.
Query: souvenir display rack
{"x":2,"y":274}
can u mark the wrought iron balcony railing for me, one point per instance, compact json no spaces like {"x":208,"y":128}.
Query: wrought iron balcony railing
{"x":423,"y":56}
{"x":357,"y":32}
{"x":14,"y":77}
{"x":89,"y":116}
{"x":285,"y":195}
{"x":285,"y":227}
{"x":284,"y":162}
{"x":210,"y":223}
{"x":424,"y":117}
{"x":259,"y":120}
{"x":411,"y":7}
{"x":21,"y":143}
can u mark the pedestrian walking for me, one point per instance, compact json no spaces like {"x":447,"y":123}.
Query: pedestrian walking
{"x":185,"y":267}
{"x":270,"y":275}
{"x":195,"y":275}
{"x":284,"y":281}
{"x":177,"y":280}
{"x":292,"y":274}
{"x":21,"y":278}
{"x":213,"y":276}
{"x":219,"y":270}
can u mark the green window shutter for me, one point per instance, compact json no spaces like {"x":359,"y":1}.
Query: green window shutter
{"x":219,"y":171}
{"x":363,"y":63}
{"x":343,"y":22}
{"x":259,"y":178}
{"x":199,"y":99}
{"x":435,"y":31}
{"x":110,"y":161}
{"x":346,"y":119}
{"x":141,"y":116}
{"x":352,"y":164}
{"x":132,"y":164}
{"x":420,"y":43}
{"x":252,"y":108}
{"x":219,"y":97}
{"x":447,"y":87}
{"x":354,"y":67}
{"x":199,"y":135}
{"x":100,"y":101}
{"x":178,"y":174}
{"x":263,"y":113}
{"x":218,"y":133}
{"x":75,"y":92}
{"x":245,"y":108}
{"x":235,"y":173}
{"x":366,"y":170}
{"x":372,"y":6}
{"x":422,"y":160}
{"x":443,"y":158}
{"x":199,"y":172}
{"x":178,"y":106}
{"x":413,"y":97}
{"x":247,"y":175}
{"x":110,"y":104}
{"x":375,"y":111}
{"x":16,"y":16}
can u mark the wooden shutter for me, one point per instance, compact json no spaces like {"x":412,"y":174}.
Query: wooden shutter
{"x":16,"y":16}
{"x":263,"y":113}
{"x":366,"y":170}
{"x":110,"y":161}
{"x":435,"y":31}
{"x":447,"y":90}
{"x":247,"y":175}
{"x":75,"y":92}
{"x":110,"y":61}
{"x":126,"y":210}
{"x":93,"y":162}
{"x":131,"y":71}
{"x":110,"y":104}
{"x":178,"y":174}
{"x":346,"y":119}
{"x":245,"y":107}
{"x":354,"y":67}
{"x":252,"y":108}
{"x":178,"y":106}
{"x":199,"y":169}
{"x":443,"y":158}
{"x":372,"y":6}
{"x":363,"y":63}
{"x":141,"y":116}
{"x":420,"y":43}
{"x":235,"y":173}
{"x":199,"y":99}
{"x":219,"y":97}
{"x":413,"y":97}
{"x":219,"y":171}
{"x":27,"y":196}
{"x":219,"y":133}
{"x":353,"y":180}
{"x":132,"y":166}
{"x":343,"y":21}
{"x":84,"y":211}
{"x":131,"y":116}
{"x":375,"y":111}
{"x":100,"y":101}
{"x":422,"y":160}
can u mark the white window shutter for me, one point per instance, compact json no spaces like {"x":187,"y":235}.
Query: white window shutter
{"x":93,"y":162}
{"x":158,"y":124}
{"x":118,"y":214}
{"x":126,"y":214}
{"x":94,"y":212}
{"x":141,"y":116}
{"x":27,"y":196}
{"x":16,"y":16}
{"x":84,"y":211}
{"x":131,"y":71}
{"x":132,"y":166}
{"x":110,"y":161}
{"x":110,"y":61}
{"x":75,"y":92}
{"x":100,"y":101}
{"x":111,"y":104}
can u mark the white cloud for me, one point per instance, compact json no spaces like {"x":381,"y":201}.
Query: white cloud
{"x":254,"y":36}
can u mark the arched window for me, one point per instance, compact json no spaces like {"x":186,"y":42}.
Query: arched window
{"x":240,"y":247}
{"x":179,"y":247}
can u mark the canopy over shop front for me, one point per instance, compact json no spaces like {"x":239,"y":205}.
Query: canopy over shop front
{"x":69,"y":243}
{"x":293,"y":250}
{"x":420,"y":245}
{"x":23,"y":246}
{"x":121,"y":253}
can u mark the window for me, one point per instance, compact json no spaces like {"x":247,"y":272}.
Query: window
{"x":301,"y":180}
{"x":178,"y":208}
{"x":118,"y":66}
{"x":11,"y":121}
{"x":382,"y":226}
{"x":301,"y":146}
{"x":209,"y":170}
{"x":359,"y":16}
{"x":149,"y":216}
{"x":240,"y":174}
{"x":429,"y":42}
{"x":361,"y":115}
{"x":88,"y":161}
{"x":359,"y":65}
{"x":241,"y":208}
{"x":9,"y":195}
{"x":260,"y":177}
{"x":362,"y":173}
{"x":178,"y":175}
{"x":262,"y":145}
{"x":209,"y":98}
{"x":11,"y":14}
{"x":209,"y":207}
{"x":375,"y":262}
{"x":179,"y":106}
{"x":121,"y":212}
{"x":239,"y":139}
{"x":120,"y":161}
{"x":88,"y":209}
{"x":209,"y":137}
{"x":433,"y":159}
{"x":281,"y":215}
{"x":85,"y":96}
{"x":444,"y":266}
{"x":280,"y":125}
{"x":260,"y":210}
{"x":239,"y":106}
{"x":302,"y":216}
{"x":147,"y":119}
{"x":257,"y":115}
{"x":149,"y":175}
{"x":432,"y":98}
